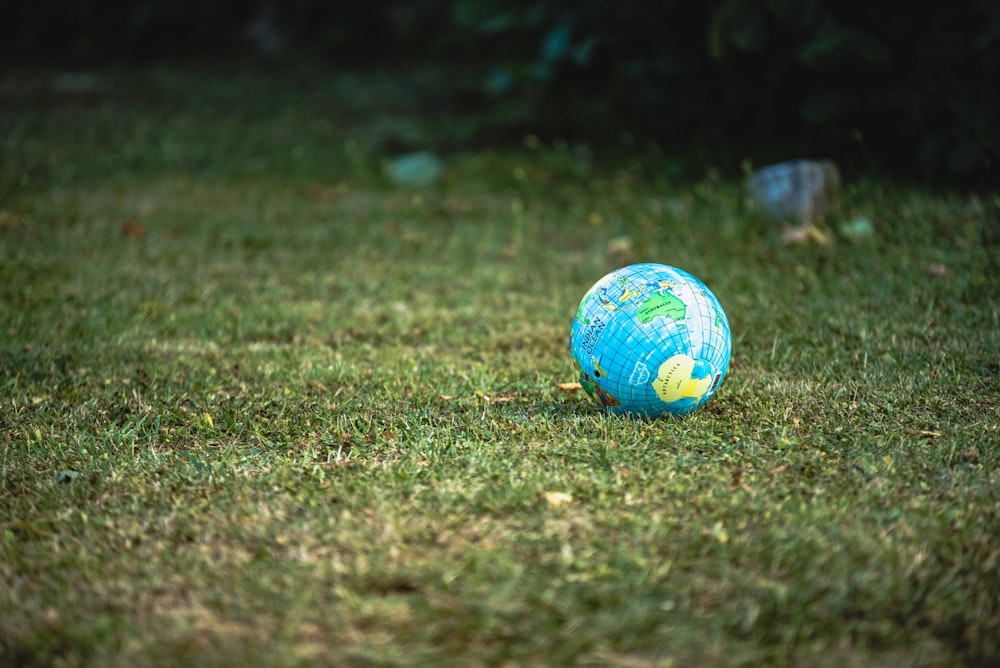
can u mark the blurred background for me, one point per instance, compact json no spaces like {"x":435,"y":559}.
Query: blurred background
{"x":877,"y":85}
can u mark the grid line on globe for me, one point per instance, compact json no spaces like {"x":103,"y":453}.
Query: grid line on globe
{"x":651,"y":339}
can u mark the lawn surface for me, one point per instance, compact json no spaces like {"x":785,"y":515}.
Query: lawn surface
{"x":259,"y":406}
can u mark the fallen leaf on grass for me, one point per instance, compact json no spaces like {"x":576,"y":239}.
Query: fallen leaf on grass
{"x":325,"y":193}
{"x":938,"y":270}
{"x":27,"y":528}
{"x":556,"y":499}
{"x":499,"y":398}
{"x":621,"y":251}
{"x":719,"y":533}
{"x":9,"y":219}
{"x":801,"y":235}
{"x":570,"y":387}
{"x":132,"y":230}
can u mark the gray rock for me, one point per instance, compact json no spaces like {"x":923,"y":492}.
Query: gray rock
{"x":800,"y":191}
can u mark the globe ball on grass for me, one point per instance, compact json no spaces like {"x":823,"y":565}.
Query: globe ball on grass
{"x":651,"y":340}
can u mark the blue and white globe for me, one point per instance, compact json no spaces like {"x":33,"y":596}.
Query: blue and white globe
{"x":651,"y":340}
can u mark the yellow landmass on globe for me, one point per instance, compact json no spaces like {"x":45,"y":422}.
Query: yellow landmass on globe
{"x":674,"y":381}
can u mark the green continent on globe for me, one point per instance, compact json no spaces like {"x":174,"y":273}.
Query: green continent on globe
{"x":662,"y":303}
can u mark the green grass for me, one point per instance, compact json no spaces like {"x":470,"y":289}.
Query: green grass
{"x":311,"y":419}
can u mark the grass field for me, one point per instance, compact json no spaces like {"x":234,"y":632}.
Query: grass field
{"x":260,"y":407}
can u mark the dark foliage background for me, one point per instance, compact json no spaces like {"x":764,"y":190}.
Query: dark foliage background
{"x":874,"y":84}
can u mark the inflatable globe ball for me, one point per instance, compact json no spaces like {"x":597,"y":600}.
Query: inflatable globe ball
{"x":650,"y":340}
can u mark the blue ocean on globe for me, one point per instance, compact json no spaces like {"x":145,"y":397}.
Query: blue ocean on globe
{"x":651,"y":340}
